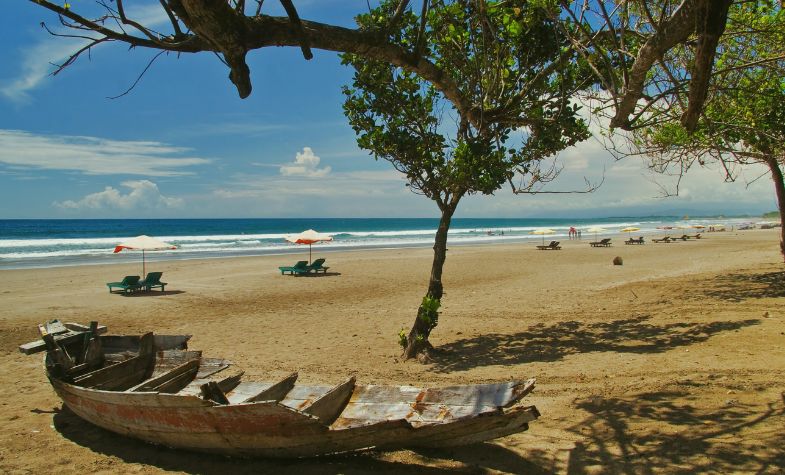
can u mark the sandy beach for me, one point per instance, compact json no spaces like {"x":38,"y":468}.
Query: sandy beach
{"x":670,"y":363}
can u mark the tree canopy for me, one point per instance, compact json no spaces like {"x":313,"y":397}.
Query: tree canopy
{"x":744,"y":118}
{"x":512,"y":64}
{"x":622,"y":42}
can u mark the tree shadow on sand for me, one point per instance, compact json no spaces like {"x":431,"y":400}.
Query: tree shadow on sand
{"x":741,"y":287}
{"x":542,"y":343}
{"x":652,"y":433}
{"x":431,"y":462}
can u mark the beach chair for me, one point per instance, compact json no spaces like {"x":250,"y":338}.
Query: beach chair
{"x":298,"y":269}
{"x":697,"y":236}
{"x":153,"y":279}
{"x":130,"y":283}
{"x":554,"y":245}
{"x":663,"y":239}
{"x":683,"y":237}
{"x":318,"y":266}
{"x":601,"y":243}
{"x":635,"y":241}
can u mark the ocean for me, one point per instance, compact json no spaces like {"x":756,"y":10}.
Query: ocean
{"x":66,"y":242}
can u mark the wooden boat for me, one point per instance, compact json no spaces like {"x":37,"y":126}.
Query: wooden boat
{"x":153,"y":388}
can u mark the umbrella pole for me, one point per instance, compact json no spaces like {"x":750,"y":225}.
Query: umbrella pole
{"x":143,"y":274}
{"x":310,"y":258}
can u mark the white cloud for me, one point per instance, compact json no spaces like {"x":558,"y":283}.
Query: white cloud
{"x":359,"y":194}
{"x":93,"y":155}
{"x":143,"y":195}
{"x":38,"y":59}
{"x":305,"y":164}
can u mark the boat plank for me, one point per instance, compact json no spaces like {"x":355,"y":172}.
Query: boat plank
{"x":210,"y":391}
{"x":274,"y":392}
{"x":62,"y":339}
{"x":130,"y":343}
{"x":328,"y":407}
{"x":302,"y":396}
{"x":246,"y":390}
{"x":227,"y":381}
{"x":170,"y":379}
{"x":117,"y":375}
{"x":211,"y":366}
{"x":53,"y":327}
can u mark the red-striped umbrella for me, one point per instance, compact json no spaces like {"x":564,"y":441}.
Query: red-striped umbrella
{"x":308,"y":237}
{"x":143,"y":243}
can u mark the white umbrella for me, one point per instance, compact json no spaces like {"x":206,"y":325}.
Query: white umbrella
{"x":630,"y":229}
{"x":143,"y":243}
{"x":308,"y":237}
{"x":595,"y":230}
{"x":542,"y":232}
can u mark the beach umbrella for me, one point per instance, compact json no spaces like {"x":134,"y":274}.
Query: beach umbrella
{"x":308,"y":237}
{"x":542,"y":232}
{"x":143,"y":243}
{"x":665,"y":228}
{"x":630,"y":229}
{"x":698,"y":226}
{"x":595,"y":230}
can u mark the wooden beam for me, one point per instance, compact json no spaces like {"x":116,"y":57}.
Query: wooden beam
{"x":212,"y":392}
{"x":68,"y":337}
{"x":171,"y":381}
{"x":277,"y":391}
{"x":125,"y":374}
{"x":328,"y":407}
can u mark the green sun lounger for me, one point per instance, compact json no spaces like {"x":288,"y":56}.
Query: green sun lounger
{"x":153,"y":279}
{"x":300,"y":268}
{"x":318,"y":266}
{"x":130,"y":283}
{"x":554,"y":245}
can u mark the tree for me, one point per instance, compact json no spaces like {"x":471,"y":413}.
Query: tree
{"x":626,"y":44}
{"x":232,"y":28}
{"x":621,"y":41}
{"x":512,"y":65}
{"x":744,"y":116}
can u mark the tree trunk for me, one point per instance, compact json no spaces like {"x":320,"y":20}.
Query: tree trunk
{"x":779,"y":187}
{"x":417,"y":341}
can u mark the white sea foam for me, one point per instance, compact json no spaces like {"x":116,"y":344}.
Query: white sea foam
{"x":67,"y":251}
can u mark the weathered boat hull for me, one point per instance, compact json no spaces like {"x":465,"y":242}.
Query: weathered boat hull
{"x":269,"y":429}
{"x":179,"y":399}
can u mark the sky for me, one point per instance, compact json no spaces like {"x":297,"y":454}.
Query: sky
{"x":182,"y":144}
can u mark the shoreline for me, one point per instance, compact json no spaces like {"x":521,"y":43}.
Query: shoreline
{"x":685,"y":341}
{"x":495,"y":240}
{"x":47,"y":244}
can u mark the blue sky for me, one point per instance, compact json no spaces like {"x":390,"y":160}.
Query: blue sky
{"x":183,"y":144}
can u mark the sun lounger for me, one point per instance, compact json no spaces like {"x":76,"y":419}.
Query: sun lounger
{"x":130,"y":283}
{"x":298,"y":269}
{"x":554,"y":245}
{"x":635,"y":241}
{"x":153,"y":279}
{"x":697,"y":236}
{"x":318,"y":266}
{"x":602,"y":243}
{"x":663,"y":239}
